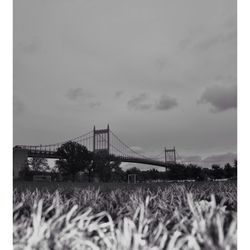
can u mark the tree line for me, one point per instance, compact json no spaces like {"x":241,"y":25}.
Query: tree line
{"x":188,"y":172}
{"x":74,"y":158}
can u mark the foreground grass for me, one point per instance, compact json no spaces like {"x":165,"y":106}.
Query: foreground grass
{"x":152,"y":216}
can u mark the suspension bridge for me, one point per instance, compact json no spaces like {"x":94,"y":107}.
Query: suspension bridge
{"x":96,"y":140}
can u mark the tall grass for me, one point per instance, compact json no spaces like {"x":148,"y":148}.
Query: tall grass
{"x":173,"y":217}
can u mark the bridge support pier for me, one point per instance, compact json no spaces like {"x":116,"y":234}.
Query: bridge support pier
{"x":20,"y":157}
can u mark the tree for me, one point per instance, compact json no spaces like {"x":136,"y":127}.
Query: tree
{"x":38,"y":164}
{"x":177,"y":172}
{"x":228,"y":169}
{"x":235,"y":168}
{"x":217,"y":172}
{"x":25,"y":171}
{"x":74,"y":157}
{"x":194,"y":172}
{"x":133,"y":170}
{"x":104,"y":167}
{"x":235,"y":163}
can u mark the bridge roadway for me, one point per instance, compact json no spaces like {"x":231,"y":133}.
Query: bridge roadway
{"x":147,"y":161}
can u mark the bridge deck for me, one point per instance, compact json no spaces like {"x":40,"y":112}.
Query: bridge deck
{"x":147,"y":161}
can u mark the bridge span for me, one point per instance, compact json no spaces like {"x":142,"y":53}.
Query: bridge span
{"x":94,"y":141}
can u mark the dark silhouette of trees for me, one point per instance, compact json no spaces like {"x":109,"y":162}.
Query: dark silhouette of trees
{"x":133,"y":170}
{"x":235,"y":163}
{"x":104,"y":167}
{"x":101,"y":165}
{"x":74,"y":157}
{"x":25,"y":171}
{"x":187,"y":172}
{"x":217,"y":172}
{"x":194,"y":172}
{"x":230,"y":171}
{"x":177,"y":172}
{"x":117,"y":172}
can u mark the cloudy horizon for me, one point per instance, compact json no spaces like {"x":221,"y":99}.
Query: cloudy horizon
{"x":160,"y":73}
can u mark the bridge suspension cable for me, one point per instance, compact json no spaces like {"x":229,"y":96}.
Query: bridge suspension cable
{"x":102,"y":139}
{"x":127,"y":147}
{"x":60,"y":143}
{"x":124,"y":145}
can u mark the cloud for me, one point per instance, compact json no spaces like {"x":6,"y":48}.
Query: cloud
{"x":220,"y":38}
{"x":220,"y":159}
{"x":77,"y":93}
{"x":140,"y":102}
{"x":166,"y":103}
{"x":197,"y":40}
{"x":221,"y":98}
{"x":144,"y":102}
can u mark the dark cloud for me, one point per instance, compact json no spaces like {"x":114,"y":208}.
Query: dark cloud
{"x":140,"y":102}
{"x":220,"y":97}
{"x":144,"y":102}
{"x":166,"y":103}
{"x":77,"y":93}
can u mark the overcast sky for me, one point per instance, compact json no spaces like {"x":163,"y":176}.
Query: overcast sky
{"x":161,"y":73}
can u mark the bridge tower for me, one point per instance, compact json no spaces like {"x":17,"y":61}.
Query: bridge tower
{"x":101,"y":139}
{"x":170,"y":155}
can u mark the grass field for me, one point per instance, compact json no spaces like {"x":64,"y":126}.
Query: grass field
{"x":173,"y":216}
